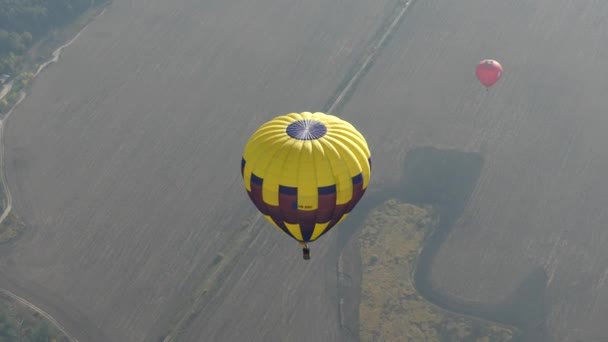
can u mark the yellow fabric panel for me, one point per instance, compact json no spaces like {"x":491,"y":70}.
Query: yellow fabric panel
{"x":358,"y":161}
{"x":294,"y":229}
{"x":349,"y":166}
{"x":308,"y":197}
{"x":272,"y":173}
{"x":356,"y":144}
{"x":349,"y":156}
{"x":344,"y":185}
{"x":357,"y":141}
{"x":259,"y":149}
{"x":288,"y":175}
{"x":264,"y":137}
{"x":319,"y":229}
{"x":350,"y":133}
{"x":264,"y":156}
{"x":323,"y":173}
{"x":247,"y":178}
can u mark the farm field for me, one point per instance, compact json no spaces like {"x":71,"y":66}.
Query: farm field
{"x":123,"y":161}
{"x":538,"y":202}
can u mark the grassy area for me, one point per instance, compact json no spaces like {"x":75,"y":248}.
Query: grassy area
{"x":10,"y":228}
{"x":18,"y":323}
{"x":390,"y":308}
{"x":42,"y":51}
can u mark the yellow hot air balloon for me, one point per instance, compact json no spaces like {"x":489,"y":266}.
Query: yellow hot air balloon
{"x":305,"y":173}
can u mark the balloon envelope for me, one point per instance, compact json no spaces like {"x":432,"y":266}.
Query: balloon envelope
{"x":488,"y":72}
{"x":305,"y":172}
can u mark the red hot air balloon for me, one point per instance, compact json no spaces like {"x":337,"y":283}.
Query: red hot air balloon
{"x":488,"y":72}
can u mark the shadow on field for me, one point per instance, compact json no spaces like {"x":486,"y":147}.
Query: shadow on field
{"x":444,"y":179}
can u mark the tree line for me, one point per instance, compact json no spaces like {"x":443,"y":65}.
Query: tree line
{"x":22,"y":22}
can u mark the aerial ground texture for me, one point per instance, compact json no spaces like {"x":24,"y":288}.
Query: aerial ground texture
{"x":124,"y":160}
{"x":540,"y":199}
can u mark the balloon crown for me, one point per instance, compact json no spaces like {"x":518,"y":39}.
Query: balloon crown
{"x":306,"y":129}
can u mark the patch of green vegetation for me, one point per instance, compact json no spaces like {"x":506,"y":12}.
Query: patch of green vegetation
{"x":390,"y":307}
{"x":20,"y":83}
{"x":445,"y":180}
{"x":17,"y":323}
{"x":22,"y":22}
{"x":30,"y":30}
{"x":10,"y":228}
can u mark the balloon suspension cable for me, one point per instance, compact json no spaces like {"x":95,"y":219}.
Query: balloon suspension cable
{"x":305,"y":251}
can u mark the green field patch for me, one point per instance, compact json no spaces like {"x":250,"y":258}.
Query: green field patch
{"x":28,"y":51}
{"x":445,"y":180}
{"x":19,"y":323}
{"x":390,"y":308}
{"x":10,"y":228}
